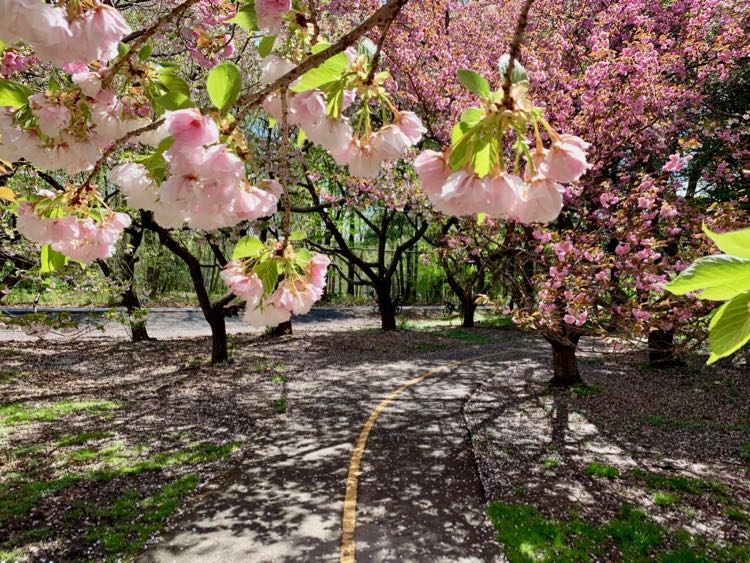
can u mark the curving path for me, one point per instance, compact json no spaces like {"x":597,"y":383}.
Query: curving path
{"x":418,"y":498}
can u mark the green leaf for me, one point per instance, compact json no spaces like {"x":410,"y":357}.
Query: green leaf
{"x":52,"y":260}
{"x":329,"y":72}
{"x":301,"y":137}
{"x":474,"y":83}
{"x":248,"y":247}
{"x":246,"y":17}
{"x":735,"y":243}
{"x":518,"y":74}
{"x":302,"y":257}
{"x":481,"y":218}
{"x":2,"y":46}
{"x":486,"y":154}
{"x":268,"y":272}
{"x":145,"y":52}
{"x":472,"y":116}
{"x":335,"y":100}
{"x":719,"y":277}
{"x":171,"y":82}
{"x":297,"y":235}
{"x":224,"y":84}
{"x":730,"y":327}
{"x":319,"y":47}
{"x":462,"y":151}
{"x":13,"y":94}
{"x":174,"y":100}
{"x":266,"y":45}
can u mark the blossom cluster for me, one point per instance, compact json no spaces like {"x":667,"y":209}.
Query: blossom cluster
{"x":69,"y":128}
{"x":80,"y":238}
{"x":294,"y":294}
{"x":535,"y":198}
{"x":206,"y":187}
{"x":362,"y":150}
{"x":92,"y":34}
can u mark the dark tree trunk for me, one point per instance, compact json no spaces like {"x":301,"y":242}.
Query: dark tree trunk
{"x":661,"y":350}
{"x":468,"y":309}
{"x":138,"y":331}
{"x":219,"y":352}
{"x":564,"y":364}
{"x":282,"y":330}
{"x":386,"y":307}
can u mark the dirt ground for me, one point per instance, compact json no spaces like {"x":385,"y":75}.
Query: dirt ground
{"x":103,"y":442}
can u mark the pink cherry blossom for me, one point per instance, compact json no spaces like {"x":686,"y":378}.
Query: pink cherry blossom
{"x":540,"y":202}
{"x":676,"y":163}
{"x":270,"y":14}
{"x":51,"y":117}
{"x":566,"y":160}
{"x":247,"y":286}
{"x":411,"y":126}
{"x":432,"y":170}
{"x":192,"y":129}
{"x":272,"y":68}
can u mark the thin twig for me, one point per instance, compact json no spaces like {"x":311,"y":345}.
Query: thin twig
{"x":515,"y":50}
{"x":145,"y":36}
{"x":283,"y":166}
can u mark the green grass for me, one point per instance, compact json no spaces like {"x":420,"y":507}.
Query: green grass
{"x":550,"y":463}
{"x":745,"y":454}
{"x":20,"y":413}
{"x":280,"y":405}
{"x":17,"y":499}
{"x":124,"y":525}
{"x":664,"y":499}
{"x":7,"y":375}
{"x":466,"y":336}
{"x":82,"y":438}
{"x":679,"y":483}
{"x":665,"y":423}
{"x":527,"y":536}
{"x":601,"y":470}
{"x":584,"y":390}
{"x":496,"y":321}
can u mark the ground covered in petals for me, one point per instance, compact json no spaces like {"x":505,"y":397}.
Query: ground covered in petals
{"x":103,"y":441}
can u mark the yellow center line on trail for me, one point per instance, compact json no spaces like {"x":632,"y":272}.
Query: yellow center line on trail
{"x":349,"y":519}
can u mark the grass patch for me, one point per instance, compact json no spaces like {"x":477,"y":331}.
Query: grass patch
{"x":7,"y":375}
{"x":429,"y":346}
{"x":466,"y":336}
{"x":601,"y":470}
{"x":679,"y":483}
{"x":130,"y":520}
{"x":280,"y":405}
{"x":664,"y":499}
{"x":584,"y":390}
{"x":527,"y":536}
{"x":17,"y":499}
{"x":18,"y":413}
{"x":82,"y":438}
{"x":665,"y":423}
{"x":550,"y":463}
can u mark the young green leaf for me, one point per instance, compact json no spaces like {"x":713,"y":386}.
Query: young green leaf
{"x":266,"y":45}
{"x":474,"y":82}
{"x":719,"y":277}
{"x":297,"y":235}
{"x":248,"y":247}
{"x":145,"y":52}
{"x":729,"y":329}
{"x":246,"y":17}
{"x":268,"y":272}
{"x":13,"y":94}
{"x":224,"y":84}
{"x":734,"y":243}
{"x":329,"y":72}
{"x":51,"y":260}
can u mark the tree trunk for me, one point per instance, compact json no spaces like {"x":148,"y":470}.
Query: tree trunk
{"x":282,"y":330}
{"x":564,"y":364}
{"x":468,"y":309}
{"x":661,"y":352}
{"x":386,"y":307}
{"x":219,"y":352}
{"x":138,"y":331}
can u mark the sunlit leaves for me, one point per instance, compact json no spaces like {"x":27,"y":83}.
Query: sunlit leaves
{"x":329,"y":72}
{"x":735,"y":243}
{"x":475,"y":83}
{"x":716,"y":277}
{"x":13,"y":94}
{"x":51,"y":260}
{"x":730,"y":327}
{"x":246,"y":17}
{"x":248,"y":247}
{"x":224,"y":84}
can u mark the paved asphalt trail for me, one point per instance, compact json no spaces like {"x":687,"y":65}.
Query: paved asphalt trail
{"x":420,"y":498}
